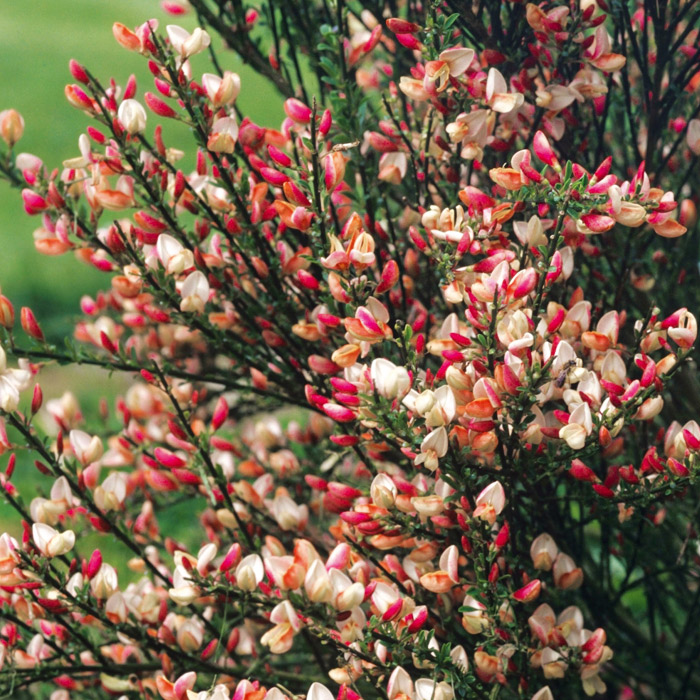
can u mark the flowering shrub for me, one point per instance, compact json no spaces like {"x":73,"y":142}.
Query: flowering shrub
{"x":460,"y":260}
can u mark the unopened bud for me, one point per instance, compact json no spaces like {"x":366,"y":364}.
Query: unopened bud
{"x":7,"y":312}
{"x":11,"y":126}
{"x":220,"y":413}
{"x":30,"y":325}
{"x":326,"y":122}
{"x":94,"y":564}
{"x":37,"y":399}
{"x":78,"y":72}
{"x":334,"y":166}
{"x":157,"y":105}
{"x":132,"y":116}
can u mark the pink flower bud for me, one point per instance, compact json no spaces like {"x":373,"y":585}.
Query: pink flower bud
{"x":344,"y":440}
{"x":597,"y":223}
{"x":77,"y":97}
{"x":502,"y":537}
{"x":176,"y":9}
{"x":156,"y":105}
{"x":544,"y":151}
{"x":603,"y":491}
{"x":220,"y":413}
{"x":30,"y":325}
{"x":232,"y":557}
{"x":522,"y":283}
{"x":94,"y":564}
{"x":34,"y":203}
{"x":325,"y":124}
{"x":409,"y":41}
{"x":334,"y":165}
{"x":274,"y":177}
{"x":280,"y":157}
{"x":420,"y":617}
{"x":168,"y":459}
{"x":581,"y":472}
{"x":390,"y":276}
{"x":688,"y":214}
{"x":402,"y":26}
{"x":37,"y":399}
{"x":603,"y":169}
{"x":307,"y":280}
{"x":10,"y":466}
{"x":297,"y":110}
{"x":677,"y":468}
{"x":338,"y":413}
{"x":529,"y":592}
{"x":529,"y":172}
{"x":295,"y":195}
{"x":78,"y":72}
{"x":354,"y":518}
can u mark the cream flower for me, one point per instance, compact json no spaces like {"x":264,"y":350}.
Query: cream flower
{"x":12,"y":382}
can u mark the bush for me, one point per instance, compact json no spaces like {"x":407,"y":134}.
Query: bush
{"x":413,"y":396}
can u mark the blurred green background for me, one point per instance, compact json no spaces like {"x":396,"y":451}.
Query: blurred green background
{"x":38,"y":39}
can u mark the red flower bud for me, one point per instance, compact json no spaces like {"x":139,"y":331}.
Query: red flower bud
{"x":94,"y":564}
{"x":402,"y":26}
{"x":409,"y":41}
{"x":78,"y":72}
{"x":10,"y":466}
{"x":326,"y":122}
{"x":390,"y":276}
{"x":30,"y":324}
{"x":581,"y":472}
{"x":155,"y":104}
{"x":37,"y":399}
{"x":220,"y":413}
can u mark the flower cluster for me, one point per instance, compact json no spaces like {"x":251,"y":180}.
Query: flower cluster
{"x":405,"y":417}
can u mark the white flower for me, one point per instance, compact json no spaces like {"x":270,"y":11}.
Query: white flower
{"x":221,"y":90}
{"x":104,"y":582}
{"x":433,"y":447}
{"x":187,"y":44}
{"x":86,"y":448}
{"x":317,"y":691}
{"x":224,"y":133}
{"x":111,"y":494}
{"x":173,"y":255}
{"x":195,"y":292}
{"x":497,"y":95}
{"x":50,"y":542}
{"x":250,"y":572}
{"x":12,"y":382}
{"x":183,"y":591}
{"x":389,"y":380}
{"x":490,"y":502}
{"x":132,"y":116}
